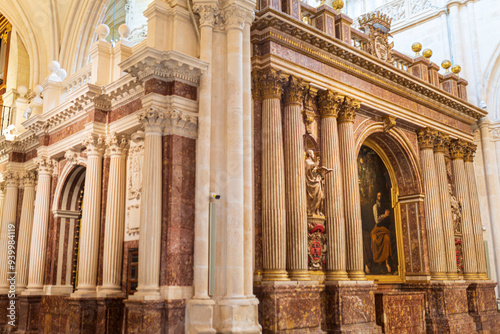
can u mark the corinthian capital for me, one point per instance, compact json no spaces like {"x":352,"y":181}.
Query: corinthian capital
{"x":209,"y":14}
{"x":235,"y":17}
{"x":72,"y":156}
{"x":11,"y":179}
{"x":294,"y":91}
{"x":457,"y":149}
{"x":348,"y":110}
{"x":441,"y":140}
{"x":329,"y":103}
{"x":153,"y":120}
{"x":45,"y":165}
{"x":117,"y":144}
{"x":29,"y":179}
{"x":426,"y":138}
{"x":94,"y":144}
{"x":268,"y":84}
{"x":469,"y":152}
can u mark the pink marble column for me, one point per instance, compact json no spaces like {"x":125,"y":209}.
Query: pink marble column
{"x":477,"y":225}
{"x":352,"y":209}
{"x":273,"y":180}
{"x":440,"y":142}
{"x":457,"y":148}
{"x":433,"y":223}
{"x":295,"y":182}
{"x":329,"y":105}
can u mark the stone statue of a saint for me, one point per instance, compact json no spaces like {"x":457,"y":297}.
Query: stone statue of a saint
{"x":456,"y":210}
{"x":315,"y":183}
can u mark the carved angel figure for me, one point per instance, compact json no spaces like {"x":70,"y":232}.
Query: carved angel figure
{"x":315,"y":183}
{"x":456,"y":210}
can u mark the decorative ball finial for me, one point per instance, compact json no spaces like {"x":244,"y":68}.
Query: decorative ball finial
{"x":446,"y":64}
{"x":124,"y":31}
{"x":38,"y":90}
{"x":54,"y":66}
{"x":102,"y":31}
{"x":338,"y":4}
{"x":62,"y":73}
{"x":456,"y":69}
{"x":427,"y":53}
{"x":22,"y":90}
{"x":416,"y":47}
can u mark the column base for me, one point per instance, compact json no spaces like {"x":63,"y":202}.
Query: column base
{"x":29,"y":314}
{"x":239,"y":315}
{"x":275,"y":275}
{"x":199,"y":316}
{"x":357,"y":275}
{"x":110,"y":293}
{"x":453,"y":276}
{"x":350,"y":307}
{"x":471,"y":276}
{"x":439,"y":277}
{"x":288,"y":307}
{"x":146,"y":295}
{"x":32,"y":291}
{"x":299,"y":275}
{"x":336,"y":275}
{"x":84,"y":293}
{"x":483,"y":307}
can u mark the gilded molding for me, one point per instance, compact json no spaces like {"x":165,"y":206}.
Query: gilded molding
{"x":294,"y":91}
{"x":348,"y":110}
{"x":457,"y":149}
{"x":469,"y":152}
{"x":440,"y":142}
{"x":329,"y":103}
{"x":426,"y":138}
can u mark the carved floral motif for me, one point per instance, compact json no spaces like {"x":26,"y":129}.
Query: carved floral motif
{"x":426,"y":138}
{"x":134,"y":185}
{"x":94,"y":144}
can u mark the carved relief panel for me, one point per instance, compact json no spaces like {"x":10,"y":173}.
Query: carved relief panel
{"x":134,"y":186}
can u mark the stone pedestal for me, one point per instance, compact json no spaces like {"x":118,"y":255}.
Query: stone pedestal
{"x":4,"y":302}
{"x":29,"y":308}
{"x":144,"y":316}
{"x":400,"y":312}
{"x":109,"y":315}
{"x":289,"y":307}
{"x":82,"y":315}
{"x":350,"y":307}
{"x":483,"y":307}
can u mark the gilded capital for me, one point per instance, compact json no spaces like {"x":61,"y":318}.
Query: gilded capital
{"x":440,"y":142}
{"x":347,"y":112}
{"x":469,"y":152}
{"x":117,"y":144}
{"x":45,"y":165}
{"x":268,"y":84}
{"x":329,"y":103}
{"x":11,"y":179}
{"x":457,"y":149}
{"x":294,"y":91}
{"x":29,"y":179}
{"x":94,"y":144}
{"x":426,"y":138}
{"x":153,"y":120}
{"x":209,"y":14}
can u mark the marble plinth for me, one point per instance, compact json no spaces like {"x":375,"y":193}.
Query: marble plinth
{"x":28,"y":311}
{"x":288,"y":307}
{"x":158,"y":316}
{"x":350,"y":307}
{"x":109,"y":315}
{"x":399,"y":312}
{"x":483,"y":307}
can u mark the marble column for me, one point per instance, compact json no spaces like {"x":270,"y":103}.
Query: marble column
{"x":153,"y":120}
{"x":115,"y":217}
{"x":91,"y":218}
{"x":25,"y":228}
{"x":477,"y":225}
{"x":8,"y":225}
{"x":38,"y":247}
{"x":329,"y":104}
{"x":491,"y":173}
{"x":295,"y":182}
{"x":457,"y":148}
{"x":273,"y":180}
{"x":433,"y":216}
{"x":350,"y":183}
{"x":440,"y":142}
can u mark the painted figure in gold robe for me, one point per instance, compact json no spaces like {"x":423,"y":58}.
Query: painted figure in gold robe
{"x":380,"y":235}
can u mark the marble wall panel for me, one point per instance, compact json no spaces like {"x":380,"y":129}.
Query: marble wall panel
{"x":171,"y":88}
{"x":52,"y":240}
{"x":257,"y":120}
{"x":127,"y":245}
{"x":125,"y":110}
{"x":104,"y":196}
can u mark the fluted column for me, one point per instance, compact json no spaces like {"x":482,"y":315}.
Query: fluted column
{"x":150,"y":226}
{"x":477,"y":225}
{"x":273,"y":182}
{"x":457,"y":148}
{"x":295,"y":183}
{"x":24,"y":236}
{"x":8,"y":225}
{"x":329,"y":105}
{"x":350,"y":183}
{"x":115,"y":217}
{"x":91,"y":213}
{"x":38,"y":247}
{"x":440,"y":142}
{"x":433,"y":223}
